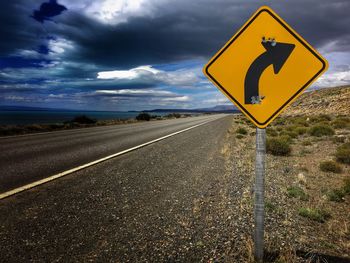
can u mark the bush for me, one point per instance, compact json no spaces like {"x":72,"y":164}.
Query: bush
{"x":143,"y":116}
{"x":321,"y":130}
{"x":270,"y":206}
{"x":338,"y":139}
{"x":318,"y":215}
{"x":271,"y":132}
{"x":241,"y":130}
{"x":35,"y":127}
{"x":336,"y":195}
{"x":341,"y":123}
{"x":290,"y":128}
{"x":346,"y":187}
{"x":83,"y":119}
{"x":297,"y":192}
{"x":330,"y":166}
{"x":306,"y":143}
{"x":321,"y":118}
{"x":174,"y":115}
{"x":301,"y":130}
{"x":292,"y":134}
{"x":300,"y":121}
{"x":278,"y":146}
{"x":279,"y":121}
{"x":343,"y":153}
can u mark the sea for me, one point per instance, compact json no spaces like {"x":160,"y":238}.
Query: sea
{"x":16,"y":117}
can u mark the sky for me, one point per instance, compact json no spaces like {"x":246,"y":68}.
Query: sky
{"x":124,"y":55}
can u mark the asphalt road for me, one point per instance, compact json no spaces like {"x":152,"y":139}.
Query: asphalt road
{"x":161,"y":203}
{"x":25,"y":159}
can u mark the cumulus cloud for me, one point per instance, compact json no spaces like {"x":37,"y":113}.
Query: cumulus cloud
{"x":150,"y":74}
{"x":131,"y":74}
{"x":334,"y":79}
{"x":136,"y":93}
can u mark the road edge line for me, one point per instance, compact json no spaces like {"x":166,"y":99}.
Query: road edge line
{"x":81,"y":167}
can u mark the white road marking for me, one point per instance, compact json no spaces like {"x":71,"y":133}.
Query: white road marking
{"x":56,"y":176}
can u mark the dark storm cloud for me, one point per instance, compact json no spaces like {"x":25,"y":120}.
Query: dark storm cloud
{"x":17,"y":29}
{"x":190,"y":29}
{"x":48,"y":10}
{"x":176,"y":30}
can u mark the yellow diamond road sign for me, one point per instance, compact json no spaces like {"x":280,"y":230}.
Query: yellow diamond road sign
{"x":264,"y":67}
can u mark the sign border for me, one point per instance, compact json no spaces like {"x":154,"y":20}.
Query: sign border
{"x":292,"y":32}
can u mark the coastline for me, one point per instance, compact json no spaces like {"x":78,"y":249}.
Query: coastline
{"x":13,"y":130}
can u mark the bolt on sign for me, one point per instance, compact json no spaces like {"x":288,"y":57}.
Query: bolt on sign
{"x":264,"y":67}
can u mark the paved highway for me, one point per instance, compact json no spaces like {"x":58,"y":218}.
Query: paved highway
{"x":25,"y":159}
{"x":166,"y":202}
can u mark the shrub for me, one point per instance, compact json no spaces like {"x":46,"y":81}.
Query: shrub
{"x":336,"y":195}
{"x":341,"y":123}
{"x":297,"y":192}
{"x":83,"y":119}
{"x":271,"y":132}
{"x":330,"y":166}
{"x":301,"y":130}
{"x":321,"y":118}
{"x":280,"y":121}
{"x":300,"y":121}
{"x":241,"y":130}
{"x":270,"y":206}
{"x":56,"y":126}
{"x":338,"y":139}
{"x":343,"y":153}
{"x":174,"y":115}
{"x":321,"y":130}
{"x":35,"y":127}
{"x":318,"y":215}
{"x":278,"y":146}
{"x":143,"y":116}
{"x":346,"y":187}
{"x":306,"y":143}
{"x":292,"y":134}
{"x":290,"y":128}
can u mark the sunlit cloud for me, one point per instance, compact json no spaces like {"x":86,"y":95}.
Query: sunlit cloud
{"x":148,"y":73}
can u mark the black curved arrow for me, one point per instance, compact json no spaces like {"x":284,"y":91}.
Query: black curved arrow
{"x":276,"y":54}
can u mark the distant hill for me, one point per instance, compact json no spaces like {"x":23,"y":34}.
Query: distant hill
{"x":25,"y":108}
{"x":334,"y":100}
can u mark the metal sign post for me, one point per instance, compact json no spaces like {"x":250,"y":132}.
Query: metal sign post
{"x":259,"y":188}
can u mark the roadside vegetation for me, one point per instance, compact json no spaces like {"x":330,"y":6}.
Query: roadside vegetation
{"x":297,"y":192}
{"x":343,"y":153}
{"x":330,"y":166}
{"x":307,"y":183}
{"x":314,"y":214}
{"x":279,"y":145}
{"x":242,"y":131}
